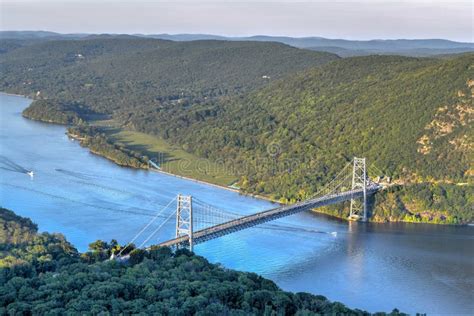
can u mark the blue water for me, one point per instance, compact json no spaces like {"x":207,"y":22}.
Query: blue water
{"x":375,"y":267}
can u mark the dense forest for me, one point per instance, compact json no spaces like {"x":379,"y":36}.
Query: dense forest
{"x":44,"y":274}
{"x":426,"y":202}
{"x":417,"y":203}
{"x":284,"y":120}
{"x":124,"y":74}
{"x":412,"y":119}
{"x":56,"y":111}
{"x":342,"y":47}
{"x":93,"y":138}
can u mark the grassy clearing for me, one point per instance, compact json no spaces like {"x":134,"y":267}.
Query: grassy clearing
{"x":172,"y":159}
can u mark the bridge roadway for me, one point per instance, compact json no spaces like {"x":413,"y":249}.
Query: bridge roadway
{"x":266,"y":216}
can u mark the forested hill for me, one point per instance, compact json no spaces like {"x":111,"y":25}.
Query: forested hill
{"x":284,"y":120}
{"x":342,"y":47}
{"x":108,"y":74}
{"x":412,"y":118}
{"x":43,"y":274}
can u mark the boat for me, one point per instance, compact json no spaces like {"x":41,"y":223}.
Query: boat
{"x":30,"y":173}
{"x":354,"y":218}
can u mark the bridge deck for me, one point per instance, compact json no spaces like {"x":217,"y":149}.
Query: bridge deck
{"x":266,"y":216}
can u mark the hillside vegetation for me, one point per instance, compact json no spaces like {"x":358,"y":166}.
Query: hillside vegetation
{"x":123,"y":75}
{"x":54,"y":111}
{"x":282,"y":120}
{"x":22,"y":247}
{"x":412,"y":119}
{"x":49,"y":276}
{"x":344,"y":48}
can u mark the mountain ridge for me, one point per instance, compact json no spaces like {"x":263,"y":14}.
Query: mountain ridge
{"x":411,"y":47}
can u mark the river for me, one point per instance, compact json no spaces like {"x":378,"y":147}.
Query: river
{"x":376,"y":267}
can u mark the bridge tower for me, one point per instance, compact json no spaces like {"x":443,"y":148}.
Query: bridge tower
{"x":359,"y":181}
{"x":184,"y":218}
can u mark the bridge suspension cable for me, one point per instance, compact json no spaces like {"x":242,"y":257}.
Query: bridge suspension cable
{"x":206,"y":213}
{"x":335,"y":183}
{"x":147,"y":225}
{"x":157,"y":229}
{"x":198,"y":221}
{"x":232,"y":215}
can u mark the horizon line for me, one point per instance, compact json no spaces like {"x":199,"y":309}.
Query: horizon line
{"x":240,"y":36}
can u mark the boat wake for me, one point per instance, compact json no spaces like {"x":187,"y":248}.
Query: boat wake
{"x":79,"y":175}
{"x":9,"y":165}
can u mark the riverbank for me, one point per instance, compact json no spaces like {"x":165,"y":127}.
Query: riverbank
{"x":16,"y":95}
{"x":121,"y":148}
{"x":84,"y":140}
{"x":389,"y":211}
{"x":134,"y":149}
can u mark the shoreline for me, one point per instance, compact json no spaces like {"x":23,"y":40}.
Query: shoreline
{"x":255,"y":196}
{"x":16,"y":95}
{"x":219,"y":186}
{"x":76,"y":137}
{"x":215,"y":185}
{"x":316,"y":211}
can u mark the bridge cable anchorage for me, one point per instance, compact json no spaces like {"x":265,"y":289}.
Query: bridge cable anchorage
{"x":146,"y":226}
{"x":358,"y":209}
{"x":376,"y":173}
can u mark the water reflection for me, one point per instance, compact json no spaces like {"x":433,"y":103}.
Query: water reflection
{"x":355,"y":255}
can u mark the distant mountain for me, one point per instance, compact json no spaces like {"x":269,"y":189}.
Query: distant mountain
{"x":346,"y":48}
{"x":28,"y":35}
{"x":123,"y":72}
{"x":414,"y":52}
{"x":185,"y":37}
{"x":398,"y":44}
{"x":342,"y":47}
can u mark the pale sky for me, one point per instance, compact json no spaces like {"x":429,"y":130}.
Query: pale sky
{"x":350,"y":19}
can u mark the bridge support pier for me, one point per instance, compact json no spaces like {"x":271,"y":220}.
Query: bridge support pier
{"x":184,"y":218}
{"x":358,"y":210}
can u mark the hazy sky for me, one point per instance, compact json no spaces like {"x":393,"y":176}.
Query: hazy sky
{"x":362,"y":19}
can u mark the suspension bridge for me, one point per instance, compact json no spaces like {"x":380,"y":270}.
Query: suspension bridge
{"x":198,"y":221}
